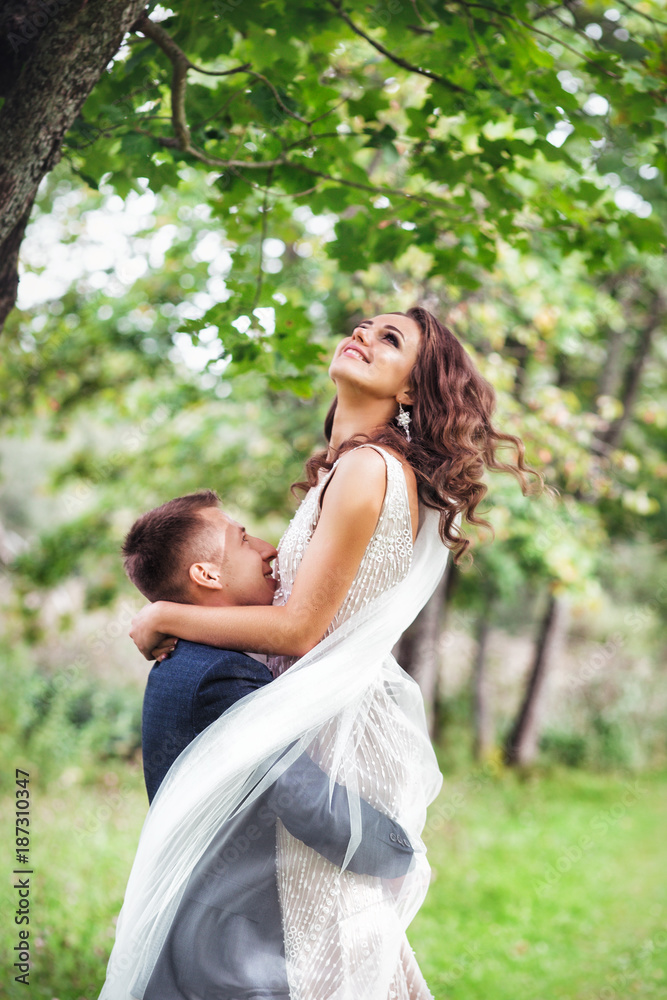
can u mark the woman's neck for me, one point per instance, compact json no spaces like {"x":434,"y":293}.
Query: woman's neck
{"x":360,"y":415}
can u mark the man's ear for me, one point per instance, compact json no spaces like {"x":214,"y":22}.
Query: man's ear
{"x":205,"y":575}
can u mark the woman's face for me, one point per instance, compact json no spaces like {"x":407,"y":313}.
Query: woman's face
{"x":379,"y":356}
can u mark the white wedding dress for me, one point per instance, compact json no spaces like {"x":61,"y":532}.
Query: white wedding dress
{"x":343,"y":916}
{"x":359,"y":716}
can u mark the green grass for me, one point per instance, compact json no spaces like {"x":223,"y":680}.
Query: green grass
{"x":546,"y":888}
{"x":83,"y":840}
{"x":521,"y":907}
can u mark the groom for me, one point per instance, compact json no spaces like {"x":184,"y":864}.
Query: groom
{"x":226,"y":940}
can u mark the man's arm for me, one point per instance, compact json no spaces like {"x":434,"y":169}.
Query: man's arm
{"x":300,"y":797}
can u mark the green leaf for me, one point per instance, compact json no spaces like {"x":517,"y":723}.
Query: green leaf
{"x":137,"y":146}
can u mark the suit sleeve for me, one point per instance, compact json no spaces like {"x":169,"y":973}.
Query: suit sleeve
{"x":230,"y":678}
{"x":300,"y":797}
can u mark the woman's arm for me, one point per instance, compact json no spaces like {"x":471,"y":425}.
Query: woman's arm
{"x":350,"y":509}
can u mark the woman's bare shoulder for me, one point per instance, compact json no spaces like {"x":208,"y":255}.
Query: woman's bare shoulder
{"x":358,"y":481}
{"x":366,"y":459}
{"x":366,"y":465}
{"x":363,"y":468}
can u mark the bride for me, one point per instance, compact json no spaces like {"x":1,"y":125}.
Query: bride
{"x":409,"y":436}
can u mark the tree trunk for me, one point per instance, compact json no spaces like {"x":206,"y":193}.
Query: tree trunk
{"x":522,"y":744}
{"x":60,"y":52}
{"x":609,"y":378}
{"x":632,"y":379}
{"x":483,"y":734}
{"x":417,"y":649}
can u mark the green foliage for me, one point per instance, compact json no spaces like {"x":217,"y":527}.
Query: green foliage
{"x":612,"y":742}
{"x":345,"y":103}
{"x":569,"y":749}
{"x":53,"y":721}
{"x":605,"y":746}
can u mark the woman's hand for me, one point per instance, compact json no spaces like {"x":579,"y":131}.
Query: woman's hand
{"x":147,"y":636}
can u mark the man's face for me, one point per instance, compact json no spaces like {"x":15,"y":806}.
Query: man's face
{"x":241,"y":573}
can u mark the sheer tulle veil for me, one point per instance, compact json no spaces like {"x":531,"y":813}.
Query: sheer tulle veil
{"x":322,"y":705}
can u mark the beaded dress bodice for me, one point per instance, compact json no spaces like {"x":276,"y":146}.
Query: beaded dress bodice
{"x":385,"y":562}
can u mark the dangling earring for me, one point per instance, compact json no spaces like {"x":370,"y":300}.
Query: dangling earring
{"x":403,"y":420}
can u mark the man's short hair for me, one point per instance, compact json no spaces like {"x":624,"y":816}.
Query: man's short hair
{"x":162,"y":544}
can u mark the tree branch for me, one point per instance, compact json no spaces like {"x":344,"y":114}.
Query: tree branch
{"x":212,"y":161}
{"x":283,"y":161}
{"x":162,"y":38}
{"x":325,"y":114}
{"x":480,"y":56}
{"x":279,"y":101}
{"x":274,"y":193}
{"x":417,"y":13}
{"x":640,"y":13}
{"x":537,"y":31}
{"x":632,"y":379}
{"x":181,"y":65}
{"x":183,"y":140}
{"x":552,"y":12}
{"x":546,"y":11}
{"x":223,"y":107}
{"x":391,"y":56}
{"x":439,"y":202}
{"x":262,"y":237}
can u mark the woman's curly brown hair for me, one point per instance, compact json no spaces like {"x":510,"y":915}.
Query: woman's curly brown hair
{"x":452,"y":437}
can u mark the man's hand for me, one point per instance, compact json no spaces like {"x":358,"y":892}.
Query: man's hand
{"x":146,"y":635}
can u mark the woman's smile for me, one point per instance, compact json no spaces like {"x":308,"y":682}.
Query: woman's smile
{"x":354,"y":351}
